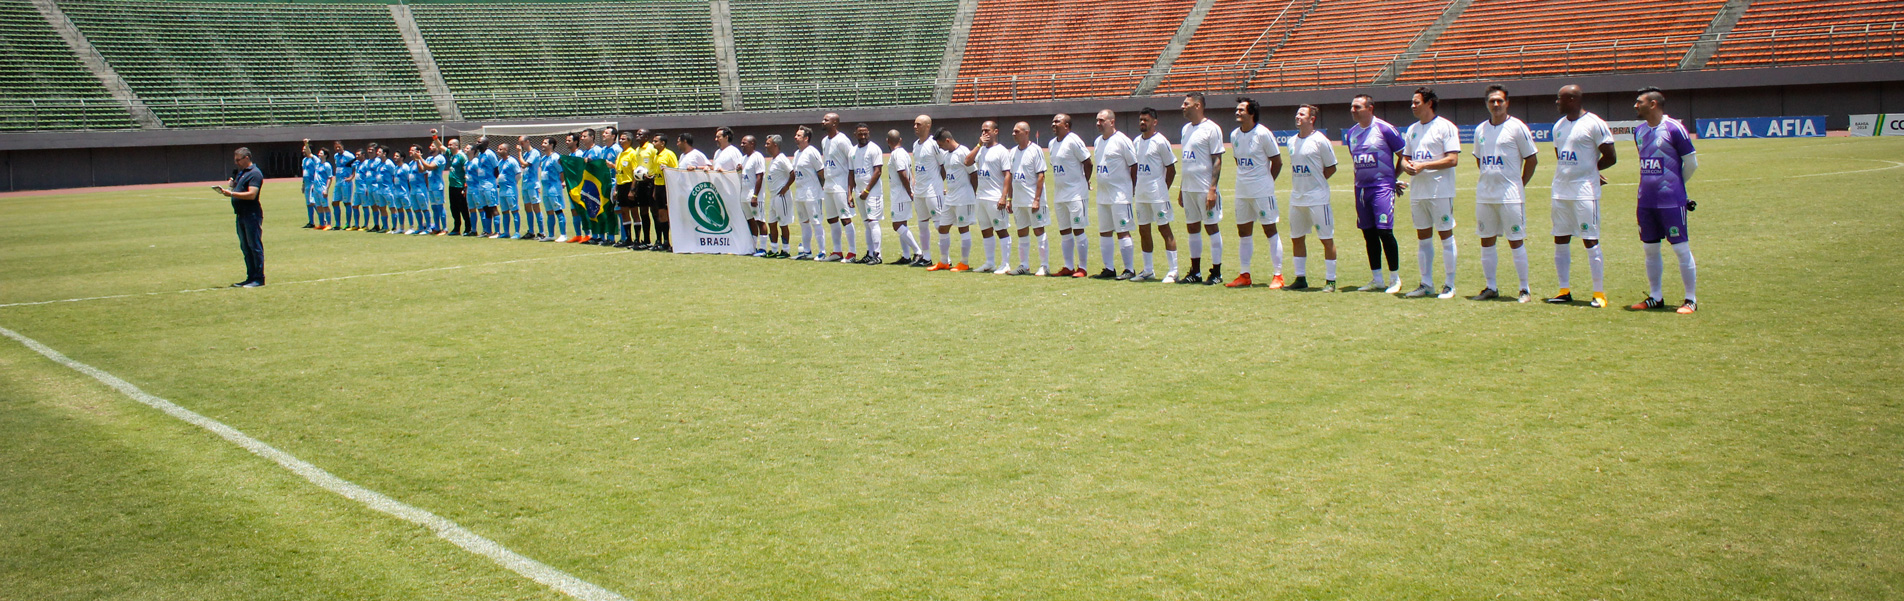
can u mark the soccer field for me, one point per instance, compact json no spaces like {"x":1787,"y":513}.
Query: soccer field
{"x":711,"y":427}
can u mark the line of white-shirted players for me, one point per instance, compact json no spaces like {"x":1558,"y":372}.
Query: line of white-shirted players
{"x":999,"y":189}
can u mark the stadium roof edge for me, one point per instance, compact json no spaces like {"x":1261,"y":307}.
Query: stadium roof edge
{"x":1718,"y":79}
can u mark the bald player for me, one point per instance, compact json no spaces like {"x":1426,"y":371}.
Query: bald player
{"x":1583,"y":147}
{"x":837,"y":204}
{"x":991,"y":178}
{"x":928,"y":186}
{"x":1071,"y":161}
{"x":1116,"y":161}
{"x":899,"y":164}
{"x":1030,"y":212}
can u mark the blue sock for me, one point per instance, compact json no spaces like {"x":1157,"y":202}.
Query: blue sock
{"x":562,"y":222}
{"x":310,"y":213}
{"x":436,"y":211}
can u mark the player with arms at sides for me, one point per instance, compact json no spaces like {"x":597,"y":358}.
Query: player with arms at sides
{"x":928,"y":185}
{"x":1312,"y":163}
{"x":309,"y":185}
{"x":837,"y":206}
{"x":869,"y":164}
{"x":1667,"y":162}
{"x":753,"y":176}
{"x":779,"y":207}
{"x":434,"y":164}
{"x":552,"y":191}
{"x":1201,"y":168}
{"x":1374,"y":148}
{"x":989,"y":164}
{"x":1156,"y":171}
{"x":899,"y":164}
{"x":808,"y":168}
{"x":1434,"y":148}
{"x":1029,"y":210}
{"x":1504,"y":148}
{"x":1259,"y":162}
{"x":344,"y":192}
{"x":1583,"y":147}
{"x":1071,"y":161}
{"x":1115,"y":159}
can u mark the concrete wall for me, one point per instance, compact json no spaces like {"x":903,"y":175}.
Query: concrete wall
{"x":40,"y":160}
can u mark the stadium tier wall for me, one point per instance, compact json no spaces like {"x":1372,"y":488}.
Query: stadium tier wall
{"x":44,"y":160}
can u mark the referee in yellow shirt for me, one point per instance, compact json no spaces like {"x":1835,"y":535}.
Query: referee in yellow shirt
{"x":663,"y":159}
{"x":625,"y":186}
{"x":643,"y":199}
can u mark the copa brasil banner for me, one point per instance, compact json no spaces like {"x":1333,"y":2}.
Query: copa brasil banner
{"x":1762,"y":127}
{"x":704,"y":213}
{"x":1877,"y":125}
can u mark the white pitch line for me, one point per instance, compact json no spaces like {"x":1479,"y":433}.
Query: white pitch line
{"x":443,"y":528}
{"x":332,"y":279}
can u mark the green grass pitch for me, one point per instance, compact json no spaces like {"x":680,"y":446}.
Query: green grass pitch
{"x":699,"y":427}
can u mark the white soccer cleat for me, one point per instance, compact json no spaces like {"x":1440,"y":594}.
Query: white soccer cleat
{"x":986,"y":267}
{"x":1394,"y":287}
{"x":1446,"y":292}
{"x":1005,"y":270}
{"x":1144,"y":275}
{"x":1042,"y":272}
{"x":1170,"y":278}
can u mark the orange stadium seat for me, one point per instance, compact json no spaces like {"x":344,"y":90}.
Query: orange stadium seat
{"x":1783,"y":32}
{"x":1512,"y":39}
{"x":1343,"y":43}
{"x":1029,"y":50}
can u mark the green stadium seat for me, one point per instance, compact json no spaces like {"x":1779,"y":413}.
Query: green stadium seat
{"x":43,"y":86}
{"x":885,"y":56}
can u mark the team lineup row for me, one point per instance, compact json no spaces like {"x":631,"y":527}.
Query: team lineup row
{"x":825,"y":185}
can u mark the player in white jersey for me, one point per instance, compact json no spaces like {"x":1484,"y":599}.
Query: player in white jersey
{"x":991,"y":178}
{"x":1115,"y":160}
{"x":1201,"y":167}
{"x":960,"y":202}
{"x":1156,"y":171}
{"x":1311,"y":164}
{"x":1583,"y":147}
{"x":778,"y":206}
{"x":928,"y":186}
{"x":1071,"y":161}
{"x":837,"y":205}
{"x":869,"y":163}
{"x":899,"y":167}
{"x":808,"y":168}
{"x":753,"y":175}
{"x":1259,"y":161}
{"x":1027,"y":197}
{"x":1434,"y":148}
{"x":1504,"y":152}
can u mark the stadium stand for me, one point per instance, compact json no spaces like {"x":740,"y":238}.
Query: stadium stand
{"x":1029,"y":49}
{"x":43,"y":86}
{"x":801,"y":54}
{"x":1344,"y":43}
{"x":1787,"y":32}
{"x":245,"y":64}
{"x":1234,"y":40}
{"x":1509,"y":38}
{"x":512,"y":60}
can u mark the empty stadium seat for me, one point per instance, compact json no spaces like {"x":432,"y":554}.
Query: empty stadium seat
{"x":1031,"y":50}
{"x":512,"y":60}
{"x":801,"y":54}
{"x":1496,"y":39}
{"x":1785,"y":32}
{"x":1233,"y":40}
{"x":43,"y":86}
{"x":242,"y":64}
{"x":1343,"y":43}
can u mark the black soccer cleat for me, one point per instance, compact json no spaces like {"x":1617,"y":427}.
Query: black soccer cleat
{"x":1105,"y":275}
{"x":1299,"y":283}
{"x":1193,"y":278}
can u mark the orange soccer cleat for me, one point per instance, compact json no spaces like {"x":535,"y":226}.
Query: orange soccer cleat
{"x":961,"y":267}
{"x":1275,"y":282}
{"x":938,"y":267}
{"x":1242,"y":281}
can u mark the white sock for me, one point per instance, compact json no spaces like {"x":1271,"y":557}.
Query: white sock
{"x":1084,"y":249}
{"x":1172,"y":256}
{"x":965,"y":247}
{"x":834,"y":238}
{"x":1044,"y":252}
{"x":1597,"y":264}
{"x":1024,"y":251}
{"x":1328,"y":266}
{"x":1104,"y":248}
{"x":1196,"y":246}
{"x":806,"y":237}
{"x":852,"y":240}
{"x":1064,"y":243}
{"x":1654,"y":267}
{"x":1004,"y":249}
{"x":1520,"y":264}
{"x":1216,"y":249}
{"x":1425,"y":257}
{"x":991,"y":249}
{"x":1447,"y":245}
{"x":945,"y":248}
{"x":1563,"y":264}
{"x":1125,"y":248}
{"x":907,"y":246}
{"x":1276,"y":254}
{"x":1488,"y":261}
{"x":872,"y":237}
{"x":1687,"y":270}
{"x":1302,"y":266}
{"x":1246,"y":251}
{"x":1150,"y":263}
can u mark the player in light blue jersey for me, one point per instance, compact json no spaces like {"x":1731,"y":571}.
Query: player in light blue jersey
{"x":482,"y":185}
{"x":1667,"y":162}
{"x":530,"y":158}
{"x":325,"y":219}
{"x":554,"y":194}
{"x":308,"y":169}
{"x":344,"y":196}
{"x":402,"y":189}
{"x":434,"y":167}
{"x":508,"y":192}
{"x":419,"y":193}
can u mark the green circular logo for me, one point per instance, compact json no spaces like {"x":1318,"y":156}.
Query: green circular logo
{"x":709,"y":213}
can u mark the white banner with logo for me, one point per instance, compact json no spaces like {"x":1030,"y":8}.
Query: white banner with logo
{"x":1623,"y":130}
{"x":704,"y":209}
{"x":1891,"y":124}
{"x":1865,"y":125}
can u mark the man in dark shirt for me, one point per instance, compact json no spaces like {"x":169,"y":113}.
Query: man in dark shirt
{"x":246,"y":182}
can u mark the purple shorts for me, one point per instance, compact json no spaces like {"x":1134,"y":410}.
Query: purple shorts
{"x":1375,"y":208}
{"x":1669,"y":224}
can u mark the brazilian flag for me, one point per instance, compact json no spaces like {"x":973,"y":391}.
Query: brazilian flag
{"x":589,"y":183}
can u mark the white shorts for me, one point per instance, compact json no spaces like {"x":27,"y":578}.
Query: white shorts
{"x":875,"y":208}
{"x":1114,"y":218}
{"x":1505,"y":219}
{"x":1025,"y":218}
{"x":1320,"y":218}
{"x":806,"y":211}
{"x":780,"y":210}
{"x":1577,"y":218}
{"x":833,"y":205}
{"x":901,"y":209}
{"x":991,"y":218}
{"x":751,"y":211}
{"x":1070,"y":215}
{"x":1433,"y":213}
{"x":1257,"y":210}
{"x":1194,"y":211}
{"x":1159,"y":212}
{"x":955,"y":216}
{"x":923,"y":207}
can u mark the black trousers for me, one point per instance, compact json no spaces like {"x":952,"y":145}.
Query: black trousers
{"x":459,"y":207}
{"x":251,"y":243}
